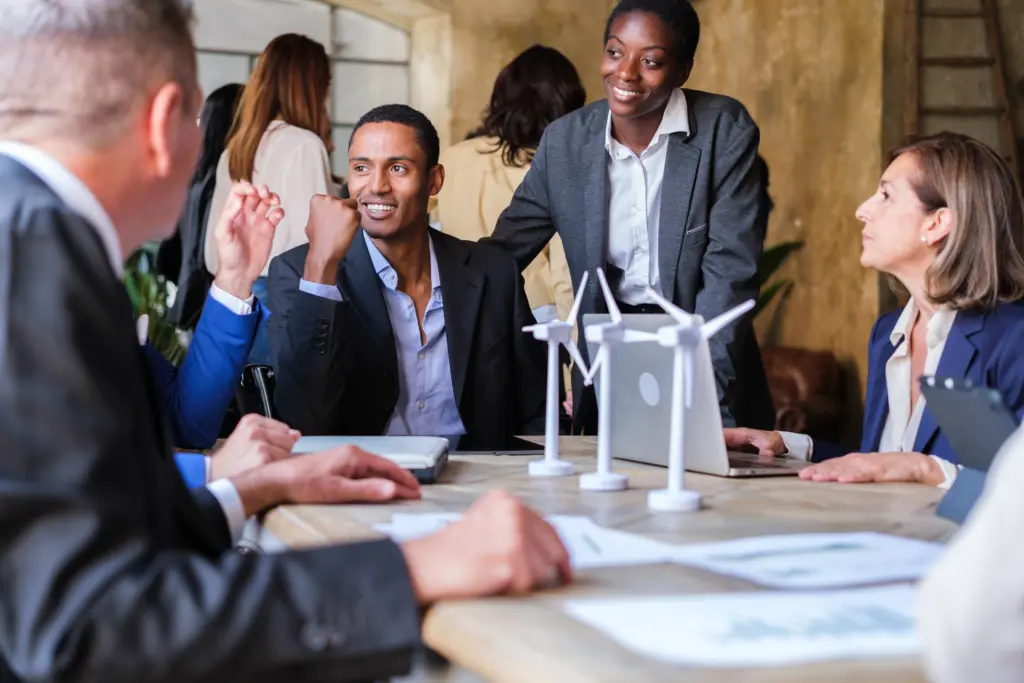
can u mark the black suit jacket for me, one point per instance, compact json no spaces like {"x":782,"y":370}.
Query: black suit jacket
{"x":111,"y":570}
{"x":711,"y":232}
{"x":337,"y":365}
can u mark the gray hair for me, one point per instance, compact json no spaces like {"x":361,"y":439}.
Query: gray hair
{"x":78,"y":69}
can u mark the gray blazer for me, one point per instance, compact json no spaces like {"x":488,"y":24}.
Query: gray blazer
{"x":712,"y":230}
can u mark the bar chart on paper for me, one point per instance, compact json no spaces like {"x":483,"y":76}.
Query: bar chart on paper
{"x":758,"y":629}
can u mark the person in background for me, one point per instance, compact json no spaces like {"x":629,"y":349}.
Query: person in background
{"x":970,"y":606}
{"x":113,"y":570}
{"x":482,"y":173}
{"x":280,"y":139}
{"x":181,"y":259}
{"x":946,"y":224}
{"x":658,"y":186}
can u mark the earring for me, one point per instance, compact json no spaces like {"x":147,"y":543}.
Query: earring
{"x":924,"y":240}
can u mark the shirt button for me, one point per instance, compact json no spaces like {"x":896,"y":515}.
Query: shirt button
{"x":420,"y":356}
{"x":421,"y":405}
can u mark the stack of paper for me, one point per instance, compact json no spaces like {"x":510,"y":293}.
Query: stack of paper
{"x":743,"y":630}
{"x":815,"y":560}
{"x":589,"y":545}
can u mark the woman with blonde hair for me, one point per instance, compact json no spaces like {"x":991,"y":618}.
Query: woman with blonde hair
{"x":946,"y":224}
{"x":280,"y":138}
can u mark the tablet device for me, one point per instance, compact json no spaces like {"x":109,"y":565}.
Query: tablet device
{"x":424,"y":456}
{"x":513,"y":445}
{"x":977,"y":423}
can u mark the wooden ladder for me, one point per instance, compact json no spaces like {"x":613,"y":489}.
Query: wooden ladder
{"x":957,"y":81}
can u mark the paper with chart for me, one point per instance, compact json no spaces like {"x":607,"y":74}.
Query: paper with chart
{"x":589,"y":545}
{"x":815,"y":560}
{"x":741,"y":630}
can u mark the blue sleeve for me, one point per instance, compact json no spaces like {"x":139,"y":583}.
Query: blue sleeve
{"x":192,"y":467}
{"x":197,"y":395}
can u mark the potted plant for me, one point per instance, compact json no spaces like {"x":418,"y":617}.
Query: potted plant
{"x":151,"y":294}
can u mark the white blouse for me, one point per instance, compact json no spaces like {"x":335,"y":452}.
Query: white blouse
{"x":904,"y":420}
{"x":292,"y":162}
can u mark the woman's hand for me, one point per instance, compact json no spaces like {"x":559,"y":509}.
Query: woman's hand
{"x":768,"y":444}
{"x":862,"y":468}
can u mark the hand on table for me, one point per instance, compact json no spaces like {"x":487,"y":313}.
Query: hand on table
{"x":256,"y":441}
{"x":346,"y":474}
{"x":498,"y":546}
{"x":862,"y":468}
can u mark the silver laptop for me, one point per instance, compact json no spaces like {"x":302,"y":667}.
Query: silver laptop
{"x":641,"y":405}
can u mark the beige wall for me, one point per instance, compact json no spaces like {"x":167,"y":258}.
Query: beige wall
{"x":484,"y":41}
{"x":810,"y":72}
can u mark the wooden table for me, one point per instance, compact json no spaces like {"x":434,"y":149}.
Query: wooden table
{"x":530,"y":640}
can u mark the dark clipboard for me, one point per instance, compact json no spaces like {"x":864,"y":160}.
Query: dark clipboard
{"x":977,"y":423}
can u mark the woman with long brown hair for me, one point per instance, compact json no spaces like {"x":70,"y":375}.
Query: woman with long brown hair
{"x":946,"y":224}
{"x":280,"y":138}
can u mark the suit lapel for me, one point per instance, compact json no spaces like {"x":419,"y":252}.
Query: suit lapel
{"x":957,"y":356}
{"x":681,"y":163}
{"x":462,"y":289}
{"x":877,"y":406}
{"x":594,"y":214}
{"x":362,"y":286}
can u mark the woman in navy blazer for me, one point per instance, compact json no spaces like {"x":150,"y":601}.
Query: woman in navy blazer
{"x":947,"y":225}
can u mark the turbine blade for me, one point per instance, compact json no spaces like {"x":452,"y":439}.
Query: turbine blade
{"x":638,"y":336}
{"x":613,"y":308}
{"x":578,"y":300}
{"x":577,"y":357}
{"x":678,"y":314}
{"x":715,"y":325}
{"x":530,"y":328}
{"x":588,"y":378}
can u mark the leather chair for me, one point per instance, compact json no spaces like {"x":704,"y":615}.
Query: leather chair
{"x":808,"y":390}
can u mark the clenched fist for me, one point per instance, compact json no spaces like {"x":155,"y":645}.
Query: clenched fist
{"x":332,"y":226}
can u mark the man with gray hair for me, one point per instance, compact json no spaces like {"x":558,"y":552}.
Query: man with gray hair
{"x":110,"y":570}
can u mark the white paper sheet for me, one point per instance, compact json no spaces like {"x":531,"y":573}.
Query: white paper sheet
{"x":741,"y":630}
{"x":589,"y":545}
{"x":815,"y":560}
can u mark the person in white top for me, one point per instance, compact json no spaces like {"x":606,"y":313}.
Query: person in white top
{"x":947,"y":225}
{"x":970,"y":611}
{"x":280,"y":139}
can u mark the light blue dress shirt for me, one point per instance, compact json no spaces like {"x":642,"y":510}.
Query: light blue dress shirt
{"x":426,"y":400}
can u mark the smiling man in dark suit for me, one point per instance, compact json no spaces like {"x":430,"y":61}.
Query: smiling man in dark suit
{"x":382,"y":325}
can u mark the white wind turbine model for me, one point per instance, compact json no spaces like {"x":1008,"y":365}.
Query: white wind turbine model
{"x":555,"y":333}
{"x":685,"y":338}
{"x":607,"y":335}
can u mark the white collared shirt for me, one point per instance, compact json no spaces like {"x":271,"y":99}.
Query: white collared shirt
{"x":80,"y":199}
{"x":634,"y":210}
{"x":904,"y":420}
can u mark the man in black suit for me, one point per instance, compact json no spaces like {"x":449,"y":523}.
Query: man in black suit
{"x":111,"y":570}
{"x":382,"y":325}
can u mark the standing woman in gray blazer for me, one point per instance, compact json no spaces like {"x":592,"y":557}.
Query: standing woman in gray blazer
{"x":659,"y":186}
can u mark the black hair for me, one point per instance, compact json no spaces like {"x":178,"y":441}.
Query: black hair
{"x":678,"y":16}
{"x":537,"y":87}
{"x":216,"y":118}
{"x":426,"y":134}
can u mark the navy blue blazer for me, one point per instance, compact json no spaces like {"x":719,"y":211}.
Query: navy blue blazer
{"x":197,"y":396}
{"x":986,"y":347}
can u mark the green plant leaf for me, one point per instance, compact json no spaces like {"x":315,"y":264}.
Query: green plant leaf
{"x":770,"y":293}
{"x":773,"y":257}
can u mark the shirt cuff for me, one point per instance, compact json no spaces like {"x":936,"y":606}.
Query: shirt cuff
{"x":231,"y":503}
{"x":208,"y":463}
{"x":321,"y":290}
{"x":949,"y":471}
{"x":798,"y":446}
{"x":232,"y":302}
